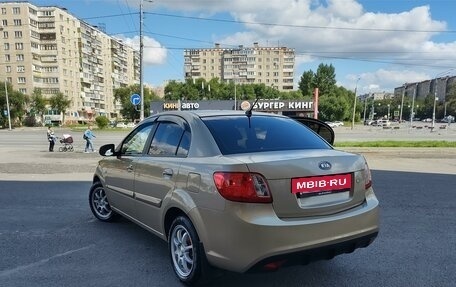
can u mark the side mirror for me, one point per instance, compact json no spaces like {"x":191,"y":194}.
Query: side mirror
{"x":321,"y":128}
{"x":107,"y":150}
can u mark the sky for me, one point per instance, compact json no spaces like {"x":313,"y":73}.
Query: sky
{"x":374,"y":45}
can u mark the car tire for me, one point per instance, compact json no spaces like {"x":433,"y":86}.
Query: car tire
{"x":99,"y":203}
{"x":186,"y":252}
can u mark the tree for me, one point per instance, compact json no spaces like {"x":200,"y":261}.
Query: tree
{"x":337,"y":106}
{"x":450,"y":100}
{"x":60,"y":103}
{"x":325,"y":79}
{"x":102,"y":122}
{"x":17,"y":104}
{"x":38,"y":104}
{"x":129,"y":111}
{"x":306,"y":84}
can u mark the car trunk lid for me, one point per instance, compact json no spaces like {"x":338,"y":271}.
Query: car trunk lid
{"x":311,"y":182}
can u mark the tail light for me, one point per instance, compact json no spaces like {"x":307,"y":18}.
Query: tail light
{"x":242,"y":187}
{"x":367,"y":176}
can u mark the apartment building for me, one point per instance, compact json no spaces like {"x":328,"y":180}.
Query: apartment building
{"x":50,"y":49}
{"x":272,"y":66}
{"x":438,"y":87}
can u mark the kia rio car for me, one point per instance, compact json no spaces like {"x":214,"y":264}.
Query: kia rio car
{"x":237,"y":191}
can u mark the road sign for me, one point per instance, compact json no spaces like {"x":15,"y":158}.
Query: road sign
{"x":135,"y":99}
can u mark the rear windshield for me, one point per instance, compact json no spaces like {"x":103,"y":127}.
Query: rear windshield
{"x":236,"y":134}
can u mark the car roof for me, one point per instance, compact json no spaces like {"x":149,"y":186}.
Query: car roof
{"x":212,"y":113}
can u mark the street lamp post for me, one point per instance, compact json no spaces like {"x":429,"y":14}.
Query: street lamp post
{"x":413,"y":104}
{"x":354,"y":105}
{"x":388,"y":111}
{"x":433,"y":109}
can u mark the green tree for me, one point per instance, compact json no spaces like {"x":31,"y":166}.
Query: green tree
{"x":338,"y":106}
{"x":102,"y":122}
{"x":306,"y":84}
{"x":38,"y":104}
{"x":450,"y":100}
{"x":17,"y":105}
{"x":325,"y":79}
{"x":128,"y":110}
{"x":60,"y":103}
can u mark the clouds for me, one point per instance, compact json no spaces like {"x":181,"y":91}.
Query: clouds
{"x":154,"y":52}
{"x":393,"y":48}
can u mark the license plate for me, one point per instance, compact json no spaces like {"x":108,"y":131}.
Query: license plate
{"x":321,"y":185}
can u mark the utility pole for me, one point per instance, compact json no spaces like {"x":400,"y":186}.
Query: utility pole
{"x":354,"y":105}
{"x":141,"y":61}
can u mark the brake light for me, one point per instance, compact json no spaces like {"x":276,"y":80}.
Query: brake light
{"x":242,"y":187}
{"x":367,"y":176}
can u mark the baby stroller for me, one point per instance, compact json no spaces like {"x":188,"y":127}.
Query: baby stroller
{"x":66,"y":140}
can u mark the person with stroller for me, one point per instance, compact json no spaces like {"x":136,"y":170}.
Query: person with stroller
{"x":88,"y":136}
{"x":51,"y":138}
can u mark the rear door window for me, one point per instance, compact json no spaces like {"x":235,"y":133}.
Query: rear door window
{"x":167,"y":140}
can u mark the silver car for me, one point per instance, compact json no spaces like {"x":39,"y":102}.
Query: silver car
{"x":237,"y":191}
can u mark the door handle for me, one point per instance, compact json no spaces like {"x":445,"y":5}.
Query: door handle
{"x":130,"y":168}
{"x":167,"y":172}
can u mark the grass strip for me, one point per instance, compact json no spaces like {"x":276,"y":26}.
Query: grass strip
{"x":392,"y":143}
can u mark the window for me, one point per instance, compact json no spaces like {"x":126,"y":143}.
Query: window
{"x":16,"y":10}
{"x":23,"y":91}
{"x":3,"y":11}
{"x":19,"y":46}
{"x":263,"y":133}
{"x":6,"y":46}
{"x":17,"y":22}
{"x":20,"y":57}
{"x":8,"y":69}
{"x":4,"y":23}
{"x":134,"y":144}
{"x":18,"y":34}
{"x":167,"y":140}
{"x":7,"y":58}
{"x":20,"y":69}
{"x":5,"y":34}
{"x":21,"y":80}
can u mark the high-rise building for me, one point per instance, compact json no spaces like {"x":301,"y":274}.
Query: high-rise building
{"x":272,"y":66}
{"x":49,"y":49}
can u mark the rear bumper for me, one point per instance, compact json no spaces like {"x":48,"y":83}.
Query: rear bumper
{"x":246,"y":237}
{"x":321,"y":253}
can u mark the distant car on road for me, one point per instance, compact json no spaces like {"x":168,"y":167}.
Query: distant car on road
{"x":237,"y":191}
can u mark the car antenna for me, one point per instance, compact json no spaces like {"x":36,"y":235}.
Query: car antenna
{"x":248,"y":113}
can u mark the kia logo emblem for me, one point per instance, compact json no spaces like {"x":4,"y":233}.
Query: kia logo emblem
{"x":324,"y":165}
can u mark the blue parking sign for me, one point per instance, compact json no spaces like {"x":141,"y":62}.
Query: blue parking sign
{"x":135,"y":99}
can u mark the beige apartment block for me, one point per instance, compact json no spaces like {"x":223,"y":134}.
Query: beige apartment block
{"x":272,"y":66}
{"x":49,"y":49}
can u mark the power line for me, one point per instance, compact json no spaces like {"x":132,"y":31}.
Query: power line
{"x":300,"y":26}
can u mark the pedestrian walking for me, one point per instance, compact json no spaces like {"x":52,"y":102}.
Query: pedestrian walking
{"x":51,"y":138}
{"x":89,"y":136}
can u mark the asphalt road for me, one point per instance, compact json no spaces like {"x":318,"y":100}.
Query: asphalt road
{"x":48,"y":237}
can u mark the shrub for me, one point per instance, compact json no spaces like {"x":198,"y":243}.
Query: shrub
{"x":102,"y":122}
